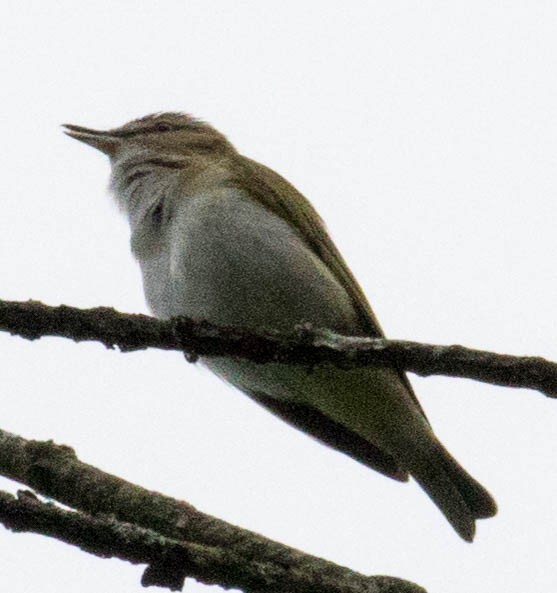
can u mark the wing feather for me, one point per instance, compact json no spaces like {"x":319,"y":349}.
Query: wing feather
{"x":278,"y":195}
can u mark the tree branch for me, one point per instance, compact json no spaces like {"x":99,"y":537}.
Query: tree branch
{"x":119,"y":519}
{"x":307,"y":346}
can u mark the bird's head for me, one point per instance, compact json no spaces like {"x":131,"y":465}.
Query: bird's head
{"x":176,"y":134}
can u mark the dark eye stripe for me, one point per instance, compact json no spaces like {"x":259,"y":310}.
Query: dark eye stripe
{"x":149,"y":130}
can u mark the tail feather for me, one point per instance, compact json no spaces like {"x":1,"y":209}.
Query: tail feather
{"x":460,"y":498}
{"x":479,"y":500}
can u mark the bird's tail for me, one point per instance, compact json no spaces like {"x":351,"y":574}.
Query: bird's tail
{"x":461,"y":499}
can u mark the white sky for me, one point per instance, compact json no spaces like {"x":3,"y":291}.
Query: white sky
{"x":424,"y":133}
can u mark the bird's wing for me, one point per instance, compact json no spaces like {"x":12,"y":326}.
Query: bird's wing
{"x":284,"y":200}
{"x":313,"y":422}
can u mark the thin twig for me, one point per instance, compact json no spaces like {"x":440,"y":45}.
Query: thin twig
{"x":307,"y":346}
{"x":117,"y":518}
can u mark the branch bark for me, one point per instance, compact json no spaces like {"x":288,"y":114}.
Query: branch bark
{"x":307,"y":346}
{"x":115,"y":518}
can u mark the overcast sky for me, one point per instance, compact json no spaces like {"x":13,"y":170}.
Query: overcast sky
{"x":425,"y":133}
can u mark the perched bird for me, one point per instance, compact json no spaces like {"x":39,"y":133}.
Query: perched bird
{"x":221,"y":237}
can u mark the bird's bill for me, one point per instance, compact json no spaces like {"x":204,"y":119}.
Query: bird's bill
{"x":104,"y":141}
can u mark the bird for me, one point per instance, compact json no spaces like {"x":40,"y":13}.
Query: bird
{"x":222,"y":238}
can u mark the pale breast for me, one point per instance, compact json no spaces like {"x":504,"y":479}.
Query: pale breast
{"x":222,"y":257}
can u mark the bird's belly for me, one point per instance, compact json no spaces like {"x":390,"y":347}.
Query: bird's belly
{"x":232,"y":262}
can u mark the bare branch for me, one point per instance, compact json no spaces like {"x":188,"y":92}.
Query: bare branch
{"x":120,"y":519}
{"x":106,"y":537}
{"x":308,"y":347}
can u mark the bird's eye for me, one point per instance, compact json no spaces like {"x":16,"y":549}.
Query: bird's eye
{"x":163,"y":127}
